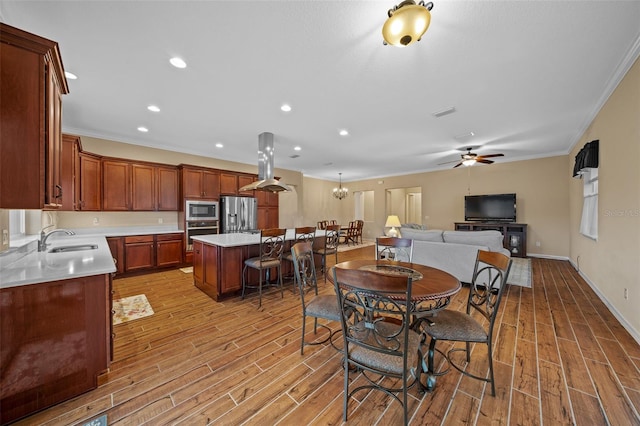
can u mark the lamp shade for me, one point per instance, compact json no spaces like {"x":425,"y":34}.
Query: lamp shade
{"x":392,"y":221}
{"x":407,"y":23}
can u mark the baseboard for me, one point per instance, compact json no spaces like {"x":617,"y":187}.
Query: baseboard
{"x":634,"y":333}
{"x":548,"y":256}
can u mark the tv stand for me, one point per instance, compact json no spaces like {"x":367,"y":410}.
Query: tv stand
{"x":514,"y":235}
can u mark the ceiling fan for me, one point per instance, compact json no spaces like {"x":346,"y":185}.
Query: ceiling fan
{"x":469,"y":158}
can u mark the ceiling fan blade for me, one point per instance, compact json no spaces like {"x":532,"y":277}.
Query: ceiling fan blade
{"x":491,"y":155}
{"x":458,"y":165}
{"x":447,"y":162}
{"x":481,"y":160}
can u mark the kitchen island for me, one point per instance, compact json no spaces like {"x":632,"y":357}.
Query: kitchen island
{"x":55,"y":317}
{"x":218,"y":261}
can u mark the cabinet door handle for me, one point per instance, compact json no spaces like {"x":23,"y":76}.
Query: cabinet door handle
{"x":59,"y":188}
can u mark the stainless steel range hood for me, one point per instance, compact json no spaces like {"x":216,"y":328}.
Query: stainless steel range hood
{"x":266,"y":181}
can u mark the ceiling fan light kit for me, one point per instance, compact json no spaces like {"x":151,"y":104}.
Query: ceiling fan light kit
{"x":470,"y":158}
{"x":407,"y":23}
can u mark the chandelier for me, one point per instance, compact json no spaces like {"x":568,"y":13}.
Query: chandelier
{"x":407,"y":23}
{"x":340,"y":192}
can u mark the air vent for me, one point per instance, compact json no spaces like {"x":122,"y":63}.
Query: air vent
{"x":444,"y":112}
{"x":294,"y":156}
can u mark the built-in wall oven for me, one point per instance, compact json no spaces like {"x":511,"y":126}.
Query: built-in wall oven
{"x":196,"y":228}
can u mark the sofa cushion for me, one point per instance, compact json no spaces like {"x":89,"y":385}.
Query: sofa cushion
{"x":422,"y":235}
{"x":490,"y":239}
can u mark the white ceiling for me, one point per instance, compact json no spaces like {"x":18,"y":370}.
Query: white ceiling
{"x":527,"y":77}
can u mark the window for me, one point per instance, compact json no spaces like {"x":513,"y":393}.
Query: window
{"x":589,"y":222}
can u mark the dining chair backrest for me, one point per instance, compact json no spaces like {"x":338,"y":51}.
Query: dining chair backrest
{"x":322,"y":224}
{"x":394,"y":248}
{"x":305,"y":269}
{"x":332,"y":237}
{"x":487,"y":286}
{"x":272,"y":244}
{"x":305,"y":234}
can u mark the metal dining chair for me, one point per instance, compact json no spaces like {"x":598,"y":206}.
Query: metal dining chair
{"x":330,"y":246}
{"x":378,"y":339}
{"x":394,"y":248}
{"x":485,"y":292}
{"x":271,"y":248}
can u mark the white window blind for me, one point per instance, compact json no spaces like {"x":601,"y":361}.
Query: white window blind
{"x":589,"y":221}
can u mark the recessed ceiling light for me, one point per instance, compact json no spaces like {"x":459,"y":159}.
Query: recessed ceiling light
{"x":286,"y":107}
{"x":143,"y":129}
{"x":445,"y":111}
{"x":153,"y":108}
{"x":344,"y":132}
{"x":178,"y":62}
{"x":219,"y":145}
{"x":297,"y":148}
{"x":70,"y":75}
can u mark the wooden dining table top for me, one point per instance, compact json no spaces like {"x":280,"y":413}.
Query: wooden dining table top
{"x":428,"y":283}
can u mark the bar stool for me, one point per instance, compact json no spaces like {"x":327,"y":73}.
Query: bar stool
{"x":271,"y":248}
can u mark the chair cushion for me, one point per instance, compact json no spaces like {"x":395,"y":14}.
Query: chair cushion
{"x":386,"y":362}
{"x":255,"y":262}
{"x":453,"y":325}
{"x":324,"y":307}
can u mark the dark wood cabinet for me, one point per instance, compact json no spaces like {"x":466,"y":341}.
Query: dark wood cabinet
{"x":68,"y":160}
{"x":143,"y":187}
{"x":268,"y":217}
{"x":116,"y":245}
{"x":198,"y":263}
{"x":246,"y":180}
{"x":200,"y":183}
{"x":514,"y":234}
{"x":168,"y":189}
{"x":228,"y":183}
{"x":116,"y":189}
{"x":210,"y":276}
{"x":138,"y":186}
{"x":169,"y":249}
{"x":32,"y":83}
{"x":139,"y":253}
{"x":88,"y":181}
{"x":70,"y":322}
{"x":146,"y":252}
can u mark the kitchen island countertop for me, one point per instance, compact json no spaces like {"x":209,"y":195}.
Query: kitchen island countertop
{"x":241,"y":239}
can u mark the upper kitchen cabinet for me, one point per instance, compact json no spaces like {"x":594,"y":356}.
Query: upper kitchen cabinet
{"x":68,"y":159}
{"x":138,"y":186}
{"x":88,"y":182}
{"x":200,"y":183}
{"x":231,"y":182}
{"x":116,"y":185}
{"x":32,"y":83}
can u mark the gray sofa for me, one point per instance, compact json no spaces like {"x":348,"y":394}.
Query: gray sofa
{"x":452,"y":251}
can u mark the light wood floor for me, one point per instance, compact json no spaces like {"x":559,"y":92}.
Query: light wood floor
{"x":561,"y":358}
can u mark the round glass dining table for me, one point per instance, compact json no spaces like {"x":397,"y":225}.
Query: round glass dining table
{"x":431,"y":288}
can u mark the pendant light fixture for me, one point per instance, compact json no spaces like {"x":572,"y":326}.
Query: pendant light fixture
{"x":407,"y":23}
{"x":340,"y":192}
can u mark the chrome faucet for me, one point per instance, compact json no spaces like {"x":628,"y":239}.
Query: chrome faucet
{"x":42,"y":243}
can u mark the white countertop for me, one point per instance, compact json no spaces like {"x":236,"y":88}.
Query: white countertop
{"x":34,"y":267}
{"x":239,"y":239}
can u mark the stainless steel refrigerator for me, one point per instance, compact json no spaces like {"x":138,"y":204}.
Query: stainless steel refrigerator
{"x":238,"y":214}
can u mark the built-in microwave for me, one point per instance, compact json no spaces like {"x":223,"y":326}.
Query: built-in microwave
{"x":201,"y":210}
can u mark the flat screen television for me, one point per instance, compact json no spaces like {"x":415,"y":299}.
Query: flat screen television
{"x":490,"y":208}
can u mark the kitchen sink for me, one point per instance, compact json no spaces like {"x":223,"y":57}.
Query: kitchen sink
{"x":66,"y":249}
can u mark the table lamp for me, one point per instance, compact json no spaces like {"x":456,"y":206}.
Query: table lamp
{"x":393,"y":221}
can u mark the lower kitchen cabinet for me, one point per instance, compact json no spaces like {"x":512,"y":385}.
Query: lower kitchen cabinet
{"x":116,"y":245}
{"x":56,"y":341}
{"x":147,"y":252}
{"x":169,"y":249}
{"x":139,"y":252}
